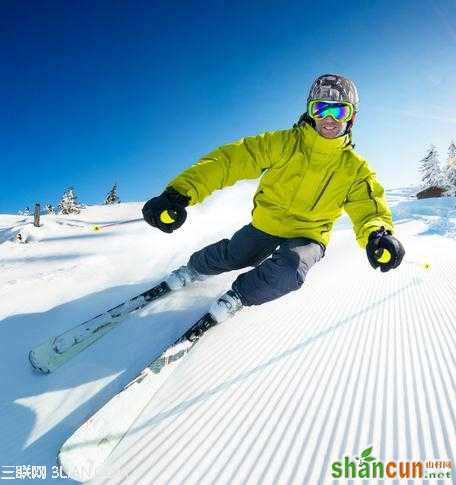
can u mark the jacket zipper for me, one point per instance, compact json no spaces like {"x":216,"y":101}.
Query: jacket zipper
{"x":370,"y":193}
{"x":322,"y":191}
{"x":255,"y":198}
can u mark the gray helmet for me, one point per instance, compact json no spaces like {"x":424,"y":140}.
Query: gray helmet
{"x":333,"y":87}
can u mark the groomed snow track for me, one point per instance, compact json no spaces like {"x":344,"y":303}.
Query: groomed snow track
{"x":356,"y":359}
{"x":353,"y":360}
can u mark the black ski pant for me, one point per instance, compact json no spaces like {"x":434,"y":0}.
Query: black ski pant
{"x":280,"y":264}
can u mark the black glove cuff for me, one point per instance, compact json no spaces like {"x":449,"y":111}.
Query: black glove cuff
{"x":174,"y":196}
{"x":379,"y":233}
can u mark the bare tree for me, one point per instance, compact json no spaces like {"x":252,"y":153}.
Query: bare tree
{"x":36,"y":221}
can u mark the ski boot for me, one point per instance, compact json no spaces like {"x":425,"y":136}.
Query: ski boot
{"x":225,"y":307}
{"x":183,"y":276}
{"x":222,"y":309}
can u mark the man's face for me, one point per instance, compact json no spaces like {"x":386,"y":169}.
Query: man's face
{"x":330,"y":128}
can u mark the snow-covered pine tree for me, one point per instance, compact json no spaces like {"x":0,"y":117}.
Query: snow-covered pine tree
{"x":69,"y":203}
{"x":25,"y":212}
{"x":112,"y":197}
{"x":50,"y":209}
{"x":450,"y":171}
{"x":450,"y":181}
{"x":452,"y":154}
{"x":430,"y":168}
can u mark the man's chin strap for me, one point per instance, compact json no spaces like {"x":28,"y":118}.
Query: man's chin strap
{"x":351,"y":123}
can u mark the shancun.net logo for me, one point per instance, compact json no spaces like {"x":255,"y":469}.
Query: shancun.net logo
{"x":367,"y":466}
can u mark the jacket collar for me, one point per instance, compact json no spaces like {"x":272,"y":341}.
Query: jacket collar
{"x":321,"y":144}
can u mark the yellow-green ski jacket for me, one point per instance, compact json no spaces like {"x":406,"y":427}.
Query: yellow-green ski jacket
{"x":306,"y":182}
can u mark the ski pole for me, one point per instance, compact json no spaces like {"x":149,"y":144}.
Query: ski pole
{"x":421,"y":264}
{"x":98,"y":227}
{"x":165,"y":216}
{"x":385,"y":256}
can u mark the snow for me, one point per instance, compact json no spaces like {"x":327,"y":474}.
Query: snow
{"x":356,"y":358}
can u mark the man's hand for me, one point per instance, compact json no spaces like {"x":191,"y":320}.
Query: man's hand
{"x":379,"y":242}
{"x":167,"y":211}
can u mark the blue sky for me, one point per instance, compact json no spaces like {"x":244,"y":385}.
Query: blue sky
{"x":133,"y":92}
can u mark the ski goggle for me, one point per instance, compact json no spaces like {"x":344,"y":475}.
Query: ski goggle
{"x":319,"y":109}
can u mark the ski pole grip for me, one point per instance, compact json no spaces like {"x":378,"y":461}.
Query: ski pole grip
{"x":383,"y":255}
{"x":168,"y":217}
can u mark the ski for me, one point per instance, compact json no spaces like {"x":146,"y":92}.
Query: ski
{"x":83,"y":454}
{"x":54,"y":352}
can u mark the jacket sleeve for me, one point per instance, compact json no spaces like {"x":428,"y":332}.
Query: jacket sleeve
{"x":243,"y":159}
{"x":366,"y":205}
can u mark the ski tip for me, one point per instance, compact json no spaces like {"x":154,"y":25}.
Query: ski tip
{"x":36,"y":365}
{"x":78,"y":471}
{"x":79,"y":465}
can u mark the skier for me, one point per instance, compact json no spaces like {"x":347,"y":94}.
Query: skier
{"x":309,"y":174}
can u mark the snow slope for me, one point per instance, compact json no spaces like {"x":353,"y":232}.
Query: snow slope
{"x":354,"y":359}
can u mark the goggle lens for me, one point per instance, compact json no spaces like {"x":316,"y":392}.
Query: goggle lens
{"x":322,"y":109}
